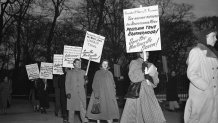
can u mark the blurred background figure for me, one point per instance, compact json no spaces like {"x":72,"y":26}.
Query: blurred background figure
{"x":4,"y":93}
{"x":60,"y":95}
{"x":57,"y":94}
{"x":9,"y":100}
{"x":63,"y":97}
{"x":42,"y":93}
{"x":33,"y":95}
{"x":172,"y":94}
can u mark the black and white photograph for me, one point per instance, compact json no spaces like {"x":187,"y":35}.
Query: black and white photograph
{"x":108,"y":61}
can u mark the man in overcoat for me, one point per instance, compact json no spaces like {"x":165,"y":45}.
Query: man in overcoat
{"x":75,"y":81}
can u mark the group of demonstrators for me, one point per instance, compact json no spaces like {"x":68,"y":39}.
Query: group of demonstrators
{"x":143,"y":108}
{"x":141,"y":103}
{"x":103,"y":92}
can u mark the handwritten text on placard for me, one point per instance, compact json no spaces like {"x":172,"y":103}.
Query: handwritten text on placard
{"x":46,"y":70}
{"x":58,"y":64}
{"x":142,"y":29}
{"x":71,"y":53}
{"x":92,"y":47}
{"x":32,"y":71}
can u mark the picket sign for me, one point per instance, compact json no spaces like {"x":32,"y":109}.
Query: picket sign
{"x":142,"y":29}
{"x":46,"y":70}
{"x":92,"y":48}
{"x":32,"y":71}
{"x":87,"y":69}
{"x":70,"y":54}
{"x":57,"y":64}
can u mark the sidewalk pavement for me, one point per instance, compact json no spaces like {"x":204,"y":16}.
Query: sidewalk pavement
{"x":21,"y":111}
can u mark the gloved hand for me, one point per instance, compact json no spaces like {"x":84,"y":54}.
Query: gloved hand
{"x":148,"y":77}
{"x":86,"y":79}
{"x":68,"y":96}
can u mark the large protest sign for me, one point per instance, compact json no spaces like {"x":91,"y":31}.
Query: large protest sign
{"x":32,"y":71}
{"x":142,"y":29}
{"x":57,"y":64}
{"x":92,"y":47}
{"x":71,"y":53}
{"x":46,"y":70}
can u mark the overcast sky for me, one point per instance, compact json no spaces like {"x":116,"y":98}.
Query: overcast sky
{"x":202,"y":7}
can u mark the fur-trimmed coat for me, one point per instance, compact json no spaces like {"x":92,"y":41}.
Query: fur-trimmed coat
{"x":202,"y":104}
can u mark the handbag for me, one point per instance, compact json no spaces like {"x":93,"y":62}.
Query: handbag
{"x":133,"y":90}
{"x":96,"y":107}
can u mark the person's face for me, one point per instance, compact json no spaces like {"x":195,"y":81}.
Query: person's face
{"x":211,"y":38}
{"x":77,"y":64}
{"x":104,"y":64}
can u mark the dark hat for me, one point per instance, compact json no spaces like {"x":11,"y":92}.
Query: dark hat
{"x":202,"y":35}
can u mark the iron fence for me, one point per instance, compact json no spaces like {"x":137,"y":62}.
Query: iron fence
{"x":182,"y":87}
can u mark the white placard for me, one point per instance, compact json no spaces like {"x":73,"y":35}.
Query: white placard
{"x":57,"y":64}
{"x":46,"y":70}
{"x":71,"y":53}
{"x":92,"y":47}
{"x":142,"y":29}
{"x":32,"y":71}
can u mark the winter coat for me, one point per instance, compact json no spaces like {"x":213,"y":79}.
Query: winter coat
{"x":146,"y":108}
{"x":104,"y":87}
{"x":75,"y":87}
{"x":202,"y":104}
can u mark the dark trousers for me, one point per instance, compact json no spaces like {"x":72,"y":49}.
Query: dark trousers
{"x":43,"y":98}
{"x":63,"y":101}
{"x":57,"y":100}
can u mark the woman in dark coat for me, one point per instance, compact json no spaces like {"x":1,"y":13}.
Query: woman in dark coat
{"x":104,"y":91}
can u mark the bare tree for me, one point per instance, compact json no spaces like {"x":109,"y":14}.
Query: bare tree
{"x":20,"y":8}
{"x":58,"y":7}
{"x":5,"y":18}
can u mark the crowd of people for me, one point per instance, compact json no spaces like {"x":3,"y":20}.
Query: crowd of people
{"x":141,"y":103}
{"x":144,"y":108}
{"x":70,"y":94}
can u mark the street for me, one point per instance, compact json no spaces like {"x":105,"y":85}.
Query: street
{"x":21,"y":112}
